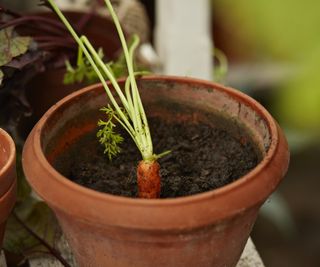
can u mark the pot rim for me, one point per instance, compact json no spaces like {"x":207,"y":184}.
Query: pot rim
{"x":7,"y":167}
{"x":274,"y":136}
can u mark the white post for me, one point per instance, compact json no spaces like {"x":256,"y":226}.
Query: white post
{"x":183,"y":37}
{"x":78,"y":5}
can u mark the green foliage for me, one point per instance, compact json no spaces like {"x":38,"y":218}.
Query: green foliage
{"x":38,"y":217}
{"x":221,"y":66}
{"x":298,"y":101}
{"x":11,"y":46}
{"x":287,"y":29}
{"x":84,"y":72}
{"x":129,"y":110}
{"x":106,"y":134}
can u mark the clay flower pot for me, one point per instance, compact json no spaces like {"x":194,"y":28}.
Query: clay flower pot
{"x":206,"y":229}
{"x":7,"y":179}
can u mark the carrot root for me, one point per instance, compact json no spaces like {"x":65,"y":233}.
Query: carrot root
{"x":148,"y":179}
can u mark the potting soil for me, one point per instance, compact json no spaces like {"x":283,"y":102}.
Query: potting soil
{"x":202,"y":158}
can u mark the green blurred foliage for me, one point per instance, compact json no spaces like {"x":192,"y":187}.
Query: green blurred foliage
{"x":287,"y":30}
{"x":298,"y":104}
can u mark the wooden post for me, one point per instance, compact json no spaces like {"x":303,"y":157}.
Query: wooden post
{"x":183,"y":37}
{"x":72,"y":5}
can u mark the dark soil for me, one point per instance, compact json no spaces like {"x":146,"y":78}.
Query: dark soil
{"x":202,"y":158}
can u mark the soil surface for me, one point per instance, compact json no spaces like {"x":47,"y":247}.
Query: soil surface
{"x":202,"y":158}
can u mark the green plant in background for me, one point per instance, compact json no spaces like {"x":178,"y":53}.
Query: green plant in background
{"x":84,"y":72}
{"x":11,"y":47}
{"x":298,"y":103}
{"x":220,"y":70}
{"x":19,"y":60}
{"x":284,"y":31}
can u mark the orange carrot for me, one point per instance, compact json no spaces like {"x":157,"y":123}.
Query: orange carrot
{"x":148,"y":179}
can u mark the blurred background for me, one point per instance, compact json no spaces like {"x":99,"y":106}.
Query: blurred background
{"x":273,"y":48}
{"x":271,"y":51}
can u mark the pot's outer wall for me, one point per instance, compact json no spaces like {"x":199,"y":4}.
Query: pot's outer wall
{"x":215,"y":245}
{"x":7,"y":202}
{"x":7,"y":162}
{"x":7,"y":179}
{"x":208,"y":229}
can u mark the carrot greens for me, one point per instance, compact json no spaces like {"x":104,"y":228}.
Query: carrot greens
{"x":129,"y":112}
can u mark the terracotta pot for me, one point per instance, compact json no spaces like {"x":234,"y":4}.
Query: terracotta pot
{"x":7,"y":179}
{"x":207,"y":229}
{"x":47,"y":87}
